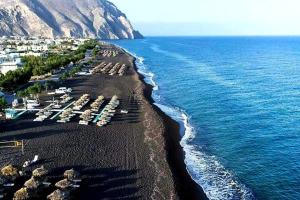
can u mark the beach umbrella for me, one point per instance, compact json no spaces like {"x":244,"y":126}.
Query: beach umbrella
{"x":86,"y":119}
{"x":87,"y":112}
{"x":63,"y":184}
{"x":9,"y":171}
{"x":63,"y":115}
{"x":21,"y":194}
{"x":115,"y":97}
{"x":69,"y":110}
{"x":32,"y":184}
{"x":59,"y":195}
{"x":39,"y":172}
{"x":71,"y":174}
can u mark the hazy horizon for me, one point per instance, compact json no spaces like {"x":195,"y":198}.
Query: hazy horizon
{"x":213,"y":17}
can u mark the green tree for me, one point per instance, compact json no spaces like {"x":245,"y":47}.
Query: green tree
{"x":31,"y":90}
{"x":37,"y":65}
{"x":64,"y":76}
{"x":22,"y":94}
{"x":95,"y":52}
{"x":3,"y":104}
{"x":47,"y":86}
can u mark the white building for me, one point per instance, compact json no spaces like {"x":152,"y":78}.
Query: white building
{"x":42,"y":47}
{"x":9,"y":63}
{"x":31,"y":53}
{"x":33,"y":47}
{"x":23,"y":48}
{"x":13,"y":48}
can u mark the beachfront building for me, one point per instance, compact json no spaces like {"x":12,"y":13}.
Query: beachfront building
{"x":33,"y":47}
{"x":13,"y":48}
{"x":9,"y":63}
{"x":31,"y":53}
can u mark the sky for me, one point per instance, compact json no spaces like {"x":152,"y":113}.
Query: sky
{"x":213,"y":17}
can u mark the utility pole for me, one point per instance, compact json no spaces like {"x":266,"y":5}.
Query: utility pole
{"x":22,"y":147}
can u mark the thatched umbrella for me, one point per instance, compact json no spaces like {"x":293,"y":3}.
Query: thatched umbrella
{"x":86,"y":118}
{"x":21,"y":194}
{"x":10,"y":171}
{"x":39,"y":172}
{"x":63,"y":184}
{"x":59,"y":195}
{"x":71,"y":174}
{"x":32,"y":184}
{"x":88,"y":112}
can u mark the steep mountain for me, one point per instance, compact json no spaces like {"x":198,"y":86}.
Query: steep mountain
{"x":53,"y":18}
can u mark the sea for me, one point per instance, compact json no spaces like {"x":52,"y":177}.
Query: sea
{"x":238,"y":102}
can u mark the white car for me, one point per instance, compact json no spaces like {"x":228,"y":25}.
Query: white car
{"x":63,"y":90}
{"x":124,"y":111}
{"x":32,"y":103}
{"x":83,"y":73}
{"x":51,"y":93}
{"x":15,"y":103}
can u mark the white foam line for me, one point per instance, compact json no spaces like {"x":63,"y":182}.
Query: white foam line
{"x":142,"y":69}
{"x":217,"y":182}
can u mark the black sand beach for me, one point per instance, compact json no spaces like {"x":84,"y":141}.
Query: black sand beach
{"x":137,"y":156}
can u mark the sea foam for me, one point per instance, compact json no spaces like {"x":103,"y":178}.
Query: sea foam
{"x":217,"y":182}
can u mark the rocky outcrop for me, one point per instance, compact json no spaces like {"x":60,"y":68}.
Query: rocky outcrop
{"x":64,"y":18}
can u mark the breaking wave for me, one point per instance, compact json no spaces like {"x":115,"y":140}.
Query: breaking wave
{"x":217,"y":182}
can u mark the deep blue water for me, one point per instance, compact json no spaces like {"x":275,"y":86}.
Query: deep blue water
{"x":239,"y":101}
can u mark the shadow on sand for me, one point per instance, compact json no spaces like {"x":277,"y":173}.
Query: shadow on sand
{"x":103,"y":183}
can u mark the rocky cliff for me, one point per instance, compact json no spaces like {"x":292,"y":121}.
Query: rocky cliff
{"x":53,"y":18}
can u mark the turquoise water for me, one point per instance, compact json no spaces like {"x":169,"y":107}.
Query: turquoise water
{"x":238,"y":99}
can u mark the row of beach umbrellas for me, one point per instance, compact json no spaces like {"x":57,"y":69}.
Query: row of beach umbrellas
{"x":38,"y":181}
{"x":108,"y":111}
{"x":95,"y":106}
{"x":109,"y":53}
{"x":82,"y":101}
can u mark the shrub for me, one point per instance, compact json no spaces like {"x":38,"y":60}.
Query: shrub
{"x":37,"y":66}
{"x":31,"y":90}
{"x":64,"y":76}
{"x":3,"y":104}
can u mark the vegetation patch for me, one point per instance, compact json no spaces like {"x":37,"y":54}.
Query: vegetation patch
{"x":38,"y":66}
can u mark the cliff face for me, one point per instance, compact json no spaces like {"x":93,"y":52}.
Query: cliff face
{"x":52,"y":18}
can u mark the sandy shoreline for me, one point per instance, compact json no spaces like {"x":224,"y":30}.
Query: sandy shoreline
{"x":185,"y":186}
{"x":137,"y":156}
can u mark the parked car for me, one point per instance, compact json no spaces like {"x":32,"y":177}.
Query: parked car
{"x":83,"y":73}
{"x":32,"y":103}
{"x":15,"y":103}
{"x":63,"y":90}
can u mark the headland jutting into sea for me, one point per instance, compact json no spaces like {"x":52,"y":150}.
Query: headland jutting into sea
{"x":136,"y":154}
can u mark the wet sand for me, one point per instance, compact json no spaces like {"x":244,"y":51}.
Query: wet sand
{"x":137,"y":156}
